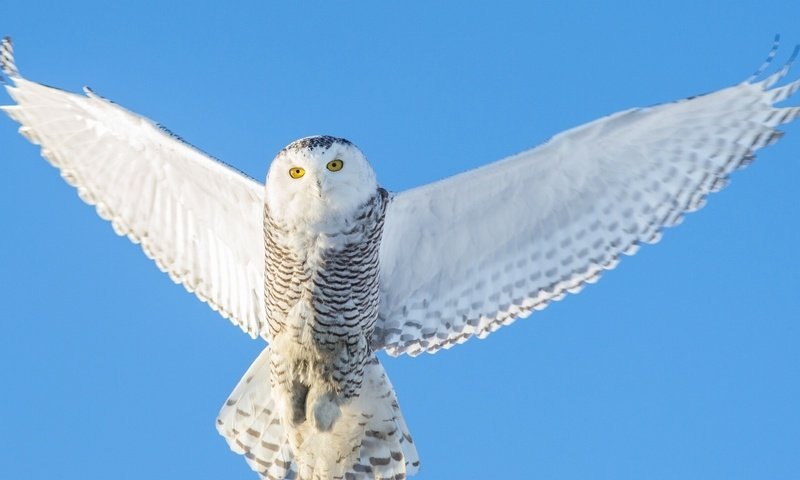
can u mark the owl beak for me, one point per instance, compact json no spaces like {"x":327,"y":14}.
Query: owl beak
{"x":318,"y":183}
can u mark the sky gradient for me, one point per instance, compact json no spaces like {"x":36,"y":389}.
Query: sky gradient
{"x":680,"y":364}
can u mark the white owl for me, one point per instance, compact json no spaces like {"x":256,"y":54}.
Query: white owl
{"x":329,"y":268}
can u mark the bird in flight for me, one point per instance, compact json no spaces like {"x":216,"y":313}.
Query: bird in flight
{"x":329,"y":268}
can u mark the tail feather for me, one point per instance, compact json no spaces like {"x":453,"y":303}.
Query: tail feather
{"x":369,"y":441}
{"x":250,"y":423}
{"x":387,"y":450}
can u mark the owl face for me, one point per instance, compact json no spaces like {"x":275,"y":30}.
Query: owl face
{"x":316,"y":178}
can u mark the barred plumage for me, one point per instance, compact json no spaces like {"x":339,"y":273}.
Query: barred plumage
{"x":336,"y":408}
{"x":381,"y":446}
{"x":335,"y":273}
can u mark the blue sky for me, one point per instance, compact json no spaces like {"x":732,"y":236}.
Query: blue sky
{"x":681,"y":363}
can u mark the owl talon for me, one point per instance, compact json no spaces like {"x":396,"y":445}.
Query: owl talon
{"x":298,"y":402}
{"x":326,"y":411}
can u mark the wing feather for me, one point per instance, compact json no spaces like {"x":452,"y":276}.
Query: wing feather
{"x":198,"y":219}
{"x":466,"y":255}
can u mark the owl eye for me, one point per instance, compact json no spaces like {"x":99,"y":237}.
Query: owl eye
{"x":335,"y":165}
{"x":296,"y":172}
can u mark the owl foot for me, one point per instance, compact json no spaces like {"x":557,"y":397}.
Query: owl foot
{"x":299,"y":395}
{"x":326,"y":411}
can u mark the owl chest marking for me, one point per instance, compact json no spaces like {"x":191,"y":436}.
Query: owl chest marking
{"x":322,"y":282}
{"x":322,"y":294}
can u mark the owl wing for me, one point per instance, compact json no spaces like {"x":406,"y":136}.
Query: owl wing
{"x":463,"y":256}
{"x":198,"y":219}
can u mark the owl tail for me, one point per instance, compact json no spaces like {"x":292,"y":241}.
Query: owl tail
{"x":250,"y":423}
{"x":369,"y":440}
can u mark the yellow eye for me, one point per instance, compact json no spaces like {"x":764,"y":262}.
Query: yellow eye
{"x":335,"y":165}
{"x":296,"y":172}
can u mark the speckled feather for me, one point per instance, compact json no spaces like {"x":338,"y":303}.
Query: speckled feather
{"x":314,"y":142}
{"x":508,"y":238}
{"x":250,"y":423}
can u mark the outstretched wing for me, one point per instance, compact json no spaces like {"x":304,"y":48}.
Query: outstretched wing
{"x":198,"y":219}
{"x":468,"y":254}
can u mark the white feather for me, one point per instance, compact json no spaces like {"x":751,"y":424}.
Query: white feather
{"x":470,"y":253}
{"x":198,"y":219}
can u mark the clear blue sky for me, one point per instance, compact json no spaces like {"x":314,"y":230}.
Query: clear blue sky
{"x":681,"y":364}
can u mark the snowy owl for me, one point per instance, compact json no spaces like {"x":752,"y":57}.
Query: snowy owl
{"x":329,"y":268}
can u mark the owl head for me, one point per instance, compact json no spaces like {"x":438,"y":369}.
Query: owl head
{"x":318,"y":177}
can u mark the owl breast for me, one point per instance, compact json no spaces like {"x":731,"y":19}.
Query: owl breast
{"x":322,"y":291}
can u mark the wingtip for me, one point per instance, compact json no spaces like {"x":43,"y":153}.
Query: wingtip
{"x":773,"y":52}
{"x":777,"y":76}
{"x":7,"y":58}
